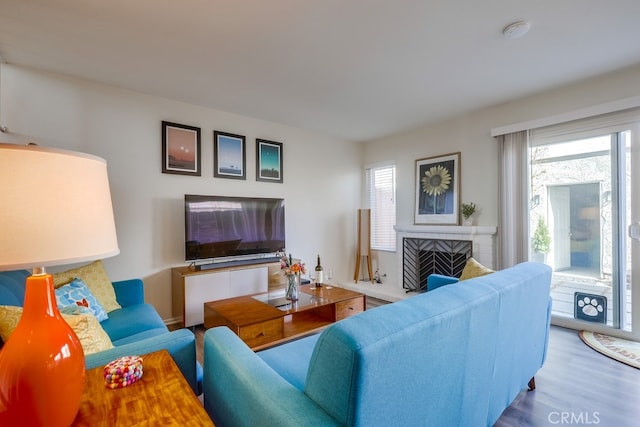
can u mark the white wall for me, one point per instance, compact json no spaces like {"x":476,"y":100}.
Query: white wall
{"x":124,"y":128}
{"x":322,"y":176}
{"x":470,"y":135}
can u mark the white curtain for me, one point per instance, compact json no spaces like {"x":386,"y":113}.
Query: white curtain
{"x":513,"y":230}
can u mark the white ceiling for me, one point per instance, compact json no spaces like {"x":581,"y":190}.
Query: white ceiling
{"x":351,"y":69}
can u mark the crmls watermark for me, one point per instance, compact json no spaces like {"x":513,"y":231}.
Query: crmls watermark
{"x":584,"y":418}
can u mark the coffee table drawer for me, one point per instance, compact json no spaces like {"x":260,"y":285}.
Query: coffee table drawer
{"x":348,"y":308}
{"x":263,"y":332}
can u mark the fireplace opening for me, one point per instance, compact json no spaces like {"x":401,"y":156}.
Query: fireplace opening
{"x":422,"y":257}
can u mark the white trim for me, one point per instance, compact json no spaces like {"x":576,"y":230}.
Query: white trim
{"x":609,"y":107}
{"x":381,"y":164}
{"x":447,"y":229}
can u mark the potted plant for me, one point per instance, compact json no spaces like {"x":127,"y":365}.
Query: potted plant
{"x":468,"y":209}
{"x":541,"y":241}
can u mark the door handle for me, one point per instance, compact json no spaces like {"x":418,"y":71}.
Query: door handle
{"x":634,"y":231}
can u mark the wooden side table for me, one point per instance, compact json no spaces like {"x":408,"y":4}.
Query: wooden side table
{"x":161,"y":397}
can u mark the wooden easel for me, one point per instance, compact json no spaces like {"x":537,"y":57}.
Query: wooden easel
{"x":363,"y":247}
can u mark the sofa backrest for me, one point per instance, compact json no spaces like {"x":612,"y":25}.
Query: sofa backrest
{"x":12,"y":285}
{"x":455,"y":356}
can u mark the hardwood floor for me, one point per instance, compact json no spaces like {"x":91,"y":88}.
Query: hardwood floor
{"x":576,"y":386}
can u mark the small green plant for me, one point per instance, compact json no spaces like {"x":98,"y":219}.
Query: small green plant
{"x":541,"y":239}
{"x":468,"y":209}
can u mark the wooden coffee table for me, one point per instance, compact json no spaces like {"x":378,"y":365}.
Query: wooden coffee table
{"x":263,"y":320}
{"x":161,"y":397}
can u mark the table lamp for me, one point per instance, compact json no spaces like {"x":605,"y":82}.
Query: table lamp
{"x":55,"y":208}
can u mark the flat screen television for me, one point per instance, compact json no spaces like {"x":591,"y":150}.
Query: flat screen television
{"x":225,"y":228}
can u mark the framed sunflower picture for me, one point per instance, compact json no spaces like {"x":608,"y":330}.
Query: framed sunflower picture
{"x":438,"y":190}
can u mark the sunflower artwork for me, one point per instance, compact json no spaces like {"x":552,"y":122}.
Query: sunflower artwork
{"x":436,"y":190}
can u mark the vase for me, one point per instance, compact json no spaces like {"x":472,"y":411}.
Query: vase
{"x":41,"y":364}
{"x":293,"y":286}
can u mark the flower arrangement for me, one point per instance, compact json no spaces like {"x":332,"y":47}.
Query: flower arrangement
{"x":292,"y":271}
{"x":290,"y":267}
{"x":468,"y":209}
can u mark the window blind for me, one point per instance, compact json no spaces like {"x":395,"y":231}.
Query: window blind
{"x":381,"y":199}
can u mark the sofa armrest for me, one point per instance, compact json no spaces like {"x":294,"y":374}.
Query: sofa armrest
{"x":240,"y":389}
{"x":129,"y":292}
{"x":434,"y":281}
{"x":181,"y":344}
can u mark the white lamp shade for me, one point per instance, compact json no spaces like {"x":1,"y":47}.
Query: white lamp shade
{"x":55,"y":208}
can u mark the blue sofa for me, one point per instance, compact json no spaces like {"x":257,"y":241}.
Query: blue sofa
{"x":134,"y":329}
{"x":455,"y":356}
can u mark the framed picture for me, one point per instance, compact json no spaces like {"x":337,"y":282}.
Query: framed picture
{"x":268,"y":161}
{"x":180,"y":149}
{"x":229,"y":155}
{"x":438,"y":190}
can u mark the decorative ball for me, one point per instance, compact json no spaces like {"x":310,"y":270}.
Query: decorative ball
{"x":123,"y":371}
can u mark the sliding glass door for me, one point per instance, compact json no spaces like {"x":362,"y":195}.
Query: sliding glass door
{"x":581,"y":193}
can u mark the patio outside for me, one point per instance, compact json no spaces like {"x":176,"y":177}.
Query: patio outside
{"x":565,"y":284}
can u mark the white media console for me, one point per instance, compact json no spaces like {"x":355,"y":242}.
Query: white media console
{"x":192,"y":288}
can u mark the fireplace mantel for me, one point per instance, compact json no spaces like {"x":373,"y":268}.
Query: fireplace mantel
{"x":483,"y":238}
{"x":467,"y":230}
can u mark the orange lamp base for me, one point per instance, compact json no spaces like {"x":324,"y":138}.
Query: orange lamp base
{"x":41,"y":364}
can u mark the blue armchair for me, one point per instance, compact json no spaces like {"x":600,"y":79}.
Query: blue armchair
{"x":434,"y":281}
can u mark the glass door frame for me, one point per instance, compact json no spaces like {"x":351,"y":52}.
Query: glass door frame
{"x":619,"y":241}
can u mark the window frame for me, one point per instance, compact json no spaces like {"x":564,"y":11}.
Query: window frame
{"x":383,"y":215}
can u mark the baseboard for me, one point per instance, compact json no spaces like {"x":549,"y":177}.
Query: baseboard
{"x":173,"y":321}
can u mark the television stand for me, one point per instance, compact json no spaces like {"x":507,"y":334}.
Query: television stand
{"x":190,"y":289}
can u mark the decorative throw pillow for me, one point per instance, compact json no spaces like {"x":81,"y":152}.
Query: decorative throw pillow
{"x":78,"y":294}
{"x":97,"y":281}
{"x":474,"y":269}
{"x":9,"y":318}
{"x":91,"y":335}
{"x":73,"y":309}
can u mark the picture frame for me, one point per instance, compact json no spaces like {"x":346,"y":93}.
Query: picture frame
{"x":437,"y":191}
{"x":180,"y":149}
{"x":268,"y":161}
{"x":229,"y":155}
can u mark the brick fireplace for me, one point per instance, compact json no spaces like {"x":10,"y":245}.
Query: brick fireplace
{"x":425,"y":249}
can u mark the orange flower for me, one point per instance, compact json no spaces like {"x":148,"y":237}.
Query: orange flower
{"x":290,"y":267}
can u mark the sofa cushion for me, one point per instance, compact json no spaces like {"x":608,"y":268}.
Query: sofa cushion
{"x":140,"y":336}
{"x":132,"y":320}
{"x":77,"y":294}
{"x":91,"y":335}
{"x":474,"y":269}
{"x":294,"y":370}
{"x":95,"y":276}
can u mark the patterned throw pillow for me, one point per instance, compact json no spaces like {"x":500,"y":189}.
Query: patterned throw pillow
{"x":95,"y":276}
{"x":78,"y":294}
{"x":474,"y":269}
{"x":73,"y":309}
{"x":91,"y":335}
